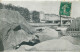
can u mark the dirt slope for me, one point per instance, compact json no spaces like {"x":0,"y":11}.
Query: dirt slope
{"x":13,"y":28}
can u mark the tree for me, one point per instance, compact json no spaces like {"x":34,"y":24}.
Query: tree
{"x":35,"y":17}
{"x":9,"y":7}
{"x":23,"y":11}
{"x":1,"y":5}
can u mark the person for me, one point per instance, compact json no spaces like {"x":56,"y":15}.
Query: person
{"x":35,"y":40}
{"x":31,"y":42}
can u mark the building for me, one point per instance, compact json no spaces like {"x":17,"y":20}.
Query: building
{"x":53,"y":18}
{"x":42,"y":17}
{"x":74,"y":28}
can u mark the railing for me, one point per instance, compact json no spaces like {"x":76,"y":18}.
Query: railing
{"x":46,"y":24}
{"x":73,"y":33}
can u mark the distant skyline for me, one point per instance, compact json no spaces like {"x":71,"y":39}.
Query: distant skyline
{"x":51,"y":7}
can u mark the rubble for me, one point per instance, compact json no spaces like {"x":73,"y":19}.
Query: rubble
{"x":13,"y":28}
{"x":73,"y":40}
{"x":47,"y":34}
{"x":55,"y":45}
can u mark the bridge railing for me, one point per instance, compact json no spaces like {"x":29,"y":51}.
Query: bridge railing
{"x":47,"y":24}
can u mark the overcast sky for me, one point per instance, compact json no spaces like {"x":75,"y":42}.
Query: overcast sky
{"x":46,"y":6}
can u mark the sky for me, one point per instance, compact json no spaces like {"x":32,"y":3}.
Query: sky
{"x":51,"y":7}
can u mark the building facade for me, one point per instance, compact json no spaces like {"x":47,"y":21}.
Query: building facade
{"x":53,"y":18}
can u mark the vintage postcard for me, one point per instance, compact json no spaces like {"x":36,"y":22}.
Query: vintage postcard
{"x":39,"y":26}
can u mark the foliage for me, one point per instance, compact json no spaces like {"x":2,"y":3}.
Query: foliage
{"x":35,"y":17}
{"x":23,"y":11}
{"x":1,"y":5}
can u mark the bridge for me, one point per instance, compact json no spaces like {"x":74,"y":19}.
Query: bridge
{"x":46,"y":24}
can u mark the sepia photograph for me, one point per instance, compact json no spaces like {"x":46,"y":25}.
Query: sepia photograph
{"x":39,"y":26}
